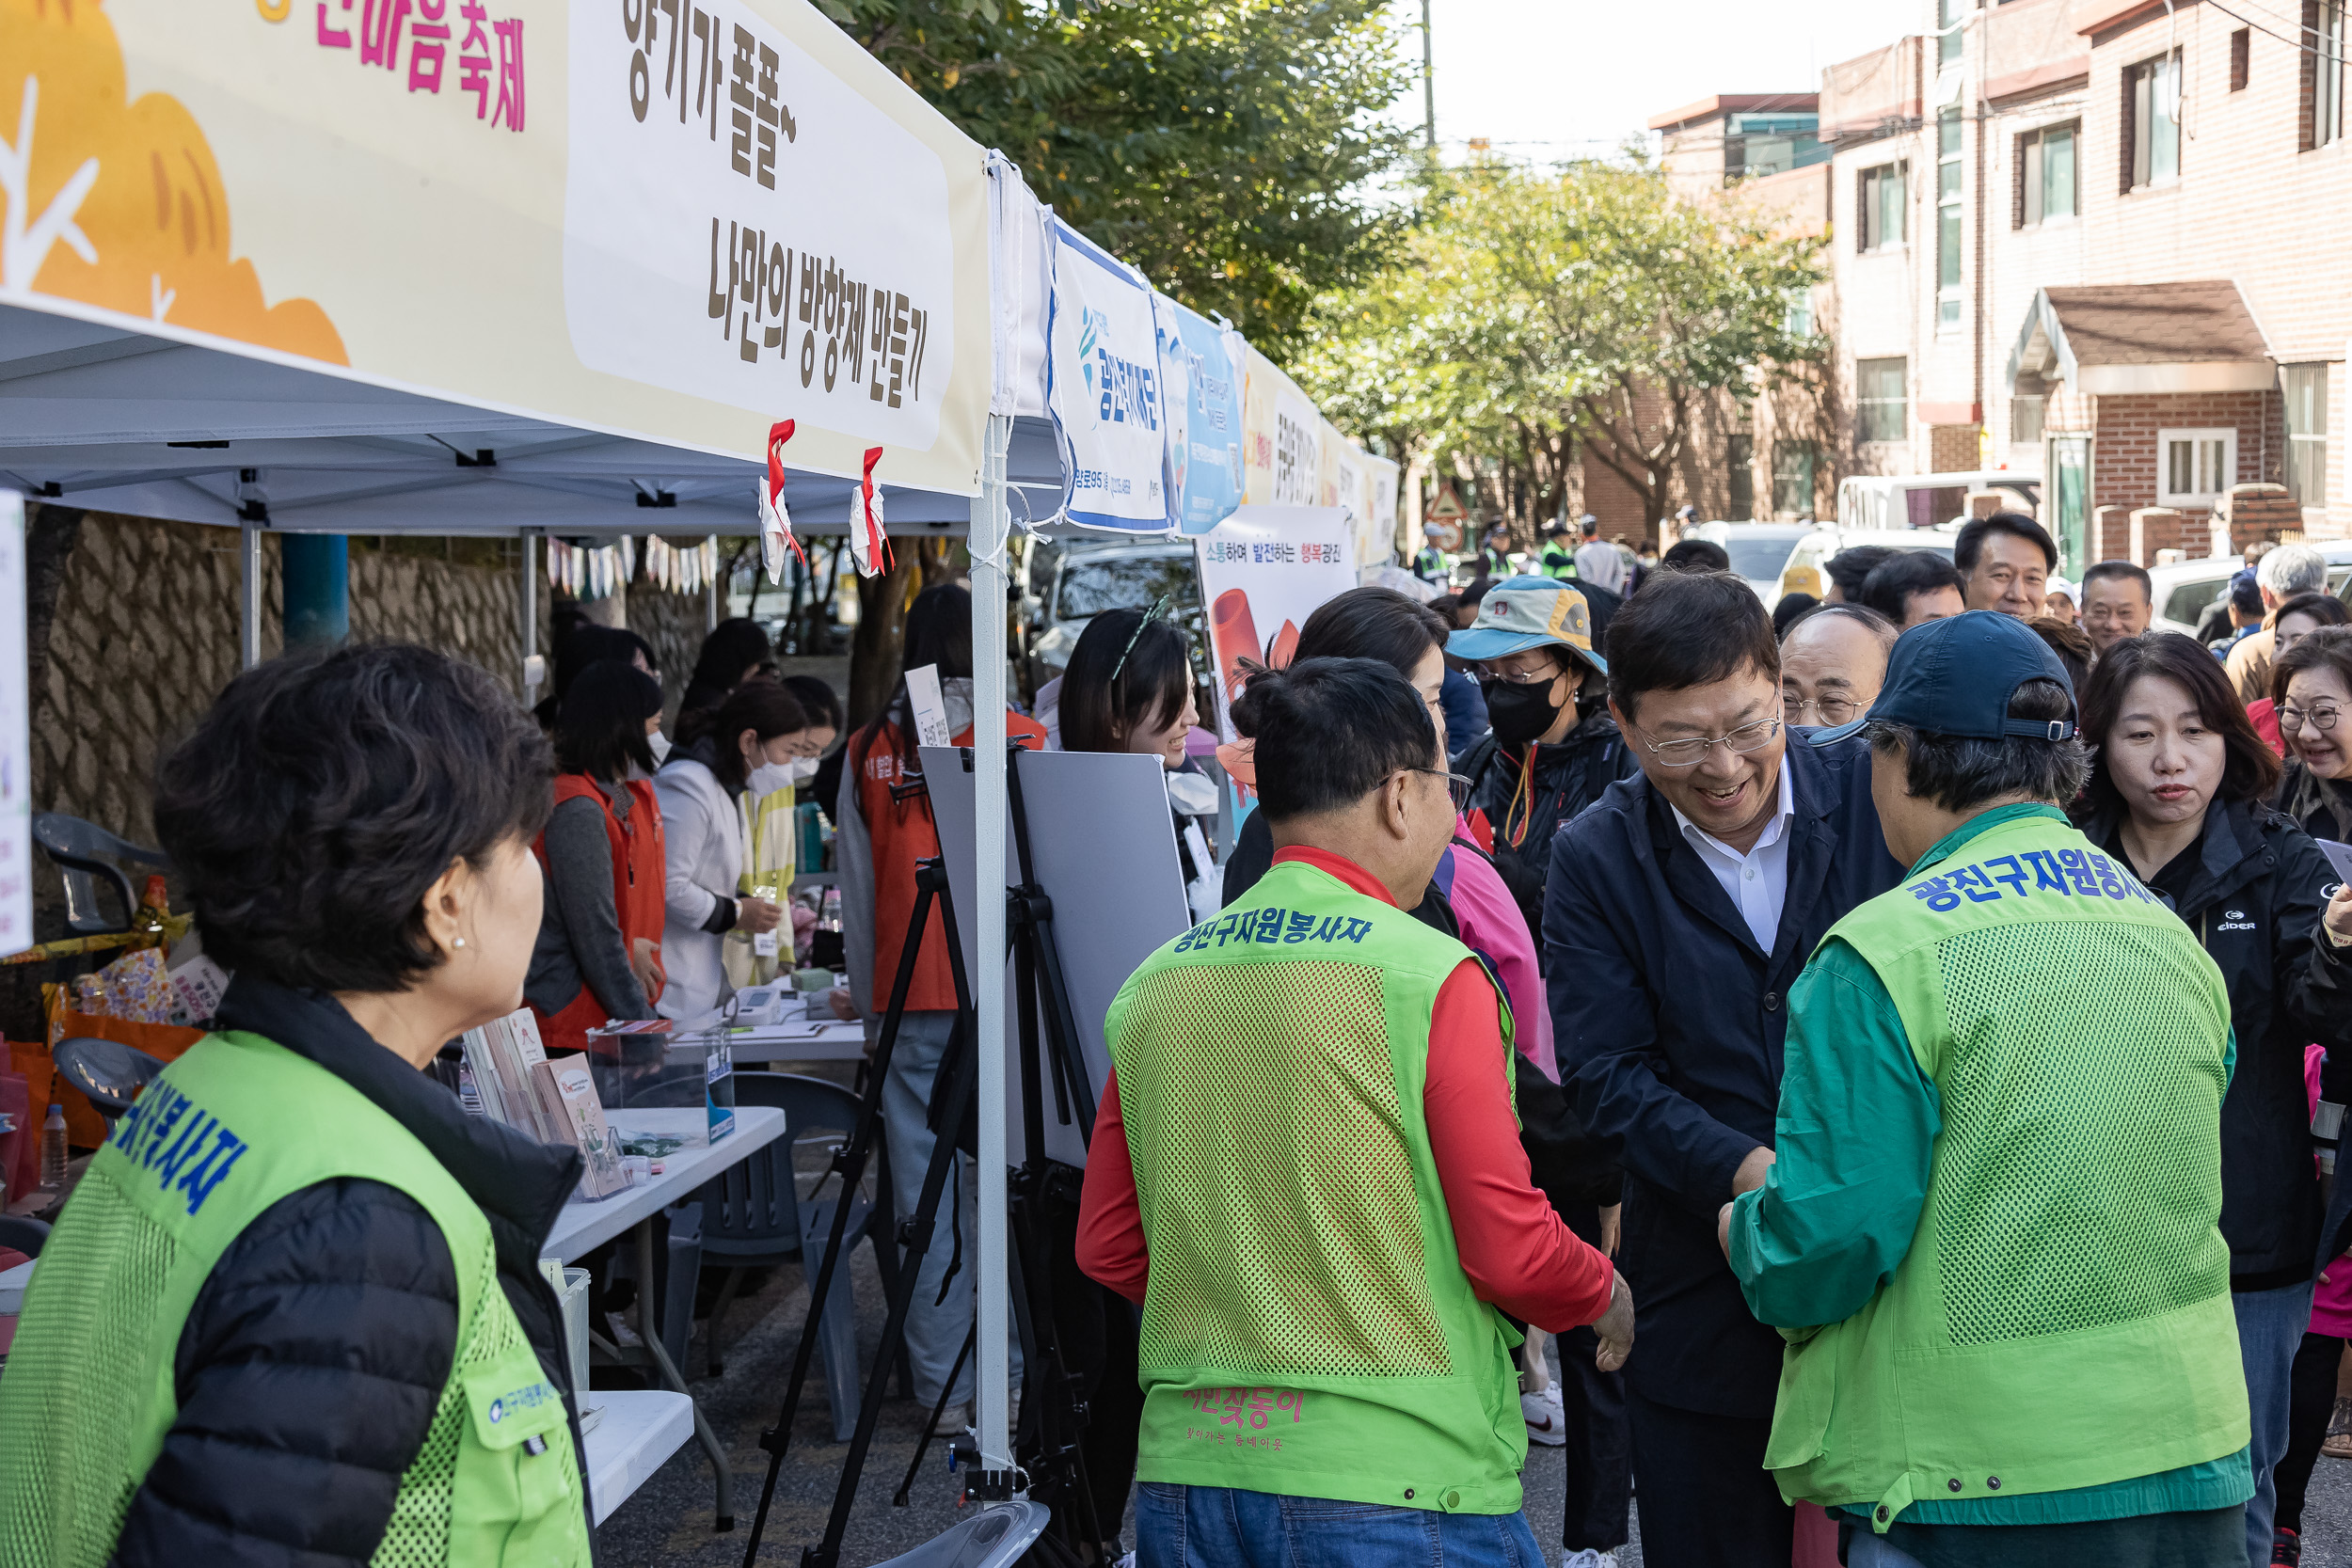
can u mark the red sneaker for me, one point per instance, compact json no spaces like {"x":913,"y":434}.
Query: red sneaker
{"x":2286,"y":1547}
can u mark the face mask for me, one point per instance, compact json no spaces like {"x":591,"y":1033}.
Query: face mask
{"x":803,"y":769}
{"x":768,"y":777}
{"x":1520,"y":713}
{"x":659,"y":745}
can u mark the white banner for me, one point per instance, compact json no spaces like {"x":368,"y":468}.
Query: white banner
{"x":1103,"y":388}
{"x":1264,"y":571}
{"x":742,"y":225}
{"x":16,"y":738}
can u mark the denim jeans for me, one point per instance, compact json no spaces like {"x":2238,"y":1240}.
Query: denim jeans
{"x":2270,"y":1328}
{"x":1217,"y":1527}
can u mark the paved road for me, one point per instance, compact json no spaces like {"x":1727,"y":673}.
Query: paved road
{"x":667,"y":1525}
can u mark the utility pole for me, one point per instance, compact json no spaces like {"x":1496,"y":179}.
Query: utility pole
{"x":1428,"y":83}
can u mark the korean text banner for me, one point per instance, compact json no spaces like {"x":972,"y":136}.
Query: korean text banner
{"x":1201,"y":362}
{"x":1281,"y":438}
{"x":1262,"y":572}
{"x":659,"y":218}
{"x":1103,"y":388}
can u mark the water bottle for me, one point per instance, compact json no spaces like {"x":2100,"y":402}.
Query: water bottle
{"x":52,"y":1150}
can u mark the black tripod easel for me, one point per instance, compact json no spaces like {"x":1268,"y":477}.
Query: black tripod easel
{"x":1056,"y":1470}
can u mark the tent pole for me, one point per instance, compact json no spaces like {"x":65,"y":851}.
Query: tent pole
{"x":249,"y":595}
{"x":527,"y":632}
{"x":991,"y":523}
{"x":711,"y":610}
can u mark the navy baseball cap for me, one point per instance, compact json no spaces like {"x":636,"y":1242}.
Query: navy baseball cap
{"x":1956,"y":676}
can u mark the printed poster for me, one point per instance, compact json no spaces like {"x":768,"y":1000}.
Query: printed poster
{"x":1201,"y":364}
{"x":1262,"y":572}
{"x":1103,"y":389}
{"x":16,"y":738}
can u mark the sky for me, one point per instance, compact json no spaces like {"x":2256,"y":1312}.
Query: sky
{"x":1560,"y":78}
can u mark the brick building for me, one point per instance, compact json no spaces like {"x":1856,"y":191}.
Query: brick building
{"x":2093,"y":239}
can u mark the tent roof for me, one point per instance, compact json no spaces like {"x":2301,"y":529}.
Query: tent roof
{"x":123,"y":421}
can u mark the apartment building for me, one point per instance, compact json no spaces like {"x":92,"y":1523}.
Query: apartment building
{"x":2095,"y":240}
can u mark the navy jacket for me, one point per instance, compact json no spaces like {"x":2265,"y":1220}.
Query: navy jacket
{"x":1669,"y":1023}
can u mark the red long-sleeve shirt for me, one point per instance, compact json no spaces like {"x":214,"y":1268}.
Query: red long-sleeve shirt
{"x":1514,"y":1248}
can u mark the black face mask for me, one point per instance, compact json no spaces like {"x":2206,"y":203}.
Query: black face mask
{"x":1520,"y":713}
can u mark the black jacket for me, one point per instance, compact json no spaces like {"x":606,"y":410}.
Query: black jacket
{"x":1570,"y":775}
{"x":1669,"y":1021}
{"x":2252,"y":887}
{"x":311,"y":1364}
{"x":2322,"y":807}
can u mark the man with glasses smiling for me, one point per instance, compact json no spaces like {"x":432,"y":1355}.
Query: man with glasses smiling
{"x":1831,"y":663}
{"x":1678,"y":910}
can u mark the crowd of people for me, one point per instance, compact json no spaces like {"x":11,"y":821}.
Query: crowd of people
{"x":1776,"y":916}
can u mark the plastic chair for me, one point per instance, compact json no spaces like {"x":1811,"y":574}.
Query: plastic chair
{"x":85,"y":852}
{"x":110,"y":1072}
{"x":25,"y":1235}
{"x":752,"y":1217}
{"x":993,"y":1538}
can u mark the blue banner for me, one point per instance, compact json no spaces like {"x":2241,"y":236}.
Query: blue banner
{"x":1201,"y":365}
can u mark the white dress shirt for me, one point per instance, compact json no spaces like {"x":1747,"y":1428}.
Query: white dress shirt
{"x":1758,"y":882}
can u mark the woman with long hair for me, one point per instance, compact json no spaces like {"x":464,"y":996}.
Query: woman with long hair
{"x":598,"y":956}
{"x":729,"y":867}
{"x":1128,"y":688}
{"x":2177,"y":791}
{"x":294,"y":1311}
{"x":731,"y":655}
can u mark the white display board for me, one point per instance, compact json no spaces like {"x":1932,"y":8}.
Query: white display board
{"x":16,"y":738}
{"x":1262,"y":572}
{"x":1104,"y":851}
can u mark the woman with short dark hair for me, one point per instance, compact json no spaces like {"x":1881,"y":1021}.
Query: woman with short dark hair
{"x":598,"y":956}
{"x":2177,"y":787}
{"x":293,"y":1311}
{"x":2294,"y":620}
{"x":2310,"y":685}
{"x":731,"y":655}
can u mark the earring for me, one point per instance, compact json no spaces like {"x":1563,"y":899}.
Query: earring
{"x":458,"y":941}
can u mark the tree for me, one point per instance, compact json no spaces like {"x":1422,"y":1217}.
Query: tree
{"x":1532,"y":316}
{"x":1226,"y":148}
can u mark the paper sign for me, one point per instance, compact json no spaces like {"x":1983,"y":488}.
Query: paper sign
{"x":1264,"y":571}
{"x":2338,"y":856}
{"x":929,"y":706}
{"x":16,"y":738}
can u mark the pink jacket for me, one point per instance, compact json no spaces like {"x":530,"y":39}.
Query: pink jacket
{"x":1493,"y":929}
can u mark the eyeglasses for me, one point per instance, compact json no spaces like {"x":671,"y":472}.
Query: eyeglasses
{"x":1150,"y":615}
{"x":2321,"y":719}
{"x":1833,"y":710}
{"x":1690,"y":752}
{"x":1509,"y":677}
{"x":1455,"y":785}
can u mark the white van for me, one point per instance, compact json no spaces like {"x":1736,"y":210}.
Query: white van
{"x":1923,"y":501}
{"x":1806,"y":573}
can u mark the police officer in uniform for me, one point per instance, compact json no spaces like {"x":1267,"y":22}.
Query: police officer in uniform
{"x":1559,"y":558}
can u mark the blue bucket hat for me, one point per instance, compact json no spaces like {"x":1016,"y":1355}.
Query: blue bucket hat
{"x":1522,"y":612}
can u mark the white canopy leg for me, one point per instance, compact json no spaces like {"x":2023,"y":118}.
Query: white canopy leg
{"x":991,"y":522}
{"x":249,"y":595}
{"x":527,"y":629}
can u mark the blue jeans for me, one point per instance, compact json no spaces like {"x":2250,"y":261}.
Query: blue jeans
{"x":1218,"y":1527}
{"x":2271,"y":1327}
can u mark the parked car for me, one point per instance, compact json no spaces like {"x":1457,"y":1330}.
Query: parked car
{"x":2187,"y":589}
{"x":1925,"y":500}
{"x":1085,"y":580}
{"x":1803,"y":572}
{"x":1757,"y":550}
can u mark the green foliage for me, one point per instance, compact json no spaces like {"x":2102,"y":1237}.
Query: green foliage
{"x":1223,"y":147}
{"x":1528,"y":307}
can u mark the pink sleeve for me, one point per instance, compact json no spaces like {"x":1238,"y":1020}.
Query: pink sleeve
{"x":1493,"y":926}
{"x":1111,"y":1248}
{"x":1514,"y":1247}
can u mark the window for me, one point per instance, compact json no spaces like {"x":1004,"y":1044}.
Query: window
{"x":1948,"y":178}
{"x":1740,"y":453}
{"x":2195,"y":467}
{"x":2045,"y":174}
{"x":1881,"y":393}
{"x":2241,"y":58}
{"x":1948,"y":42}
{"x":2323,"y":72}
{"x":2026,"y":410}
{"x":1881,"y":207}
{"x":2306,"y":389}
{"x":1771,"y":144}
{"x":1797,"y":321}
{"x":1793,"y":476}
{"x":2152,"y":118}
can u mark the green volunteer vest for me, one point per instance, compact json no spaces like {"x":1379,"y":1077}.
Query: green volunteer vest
{"x":233,"y":1126}
{"x":2062,"y":1319}
{"x":1559,"y":563}
{"x":1308,"y":1329}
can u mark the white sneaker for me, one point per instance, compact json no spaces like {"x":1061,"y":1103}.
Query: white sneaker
{"x":1547,"y":1423}
{"x":1589,"y":1559}
{"x":952,"y":1422}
